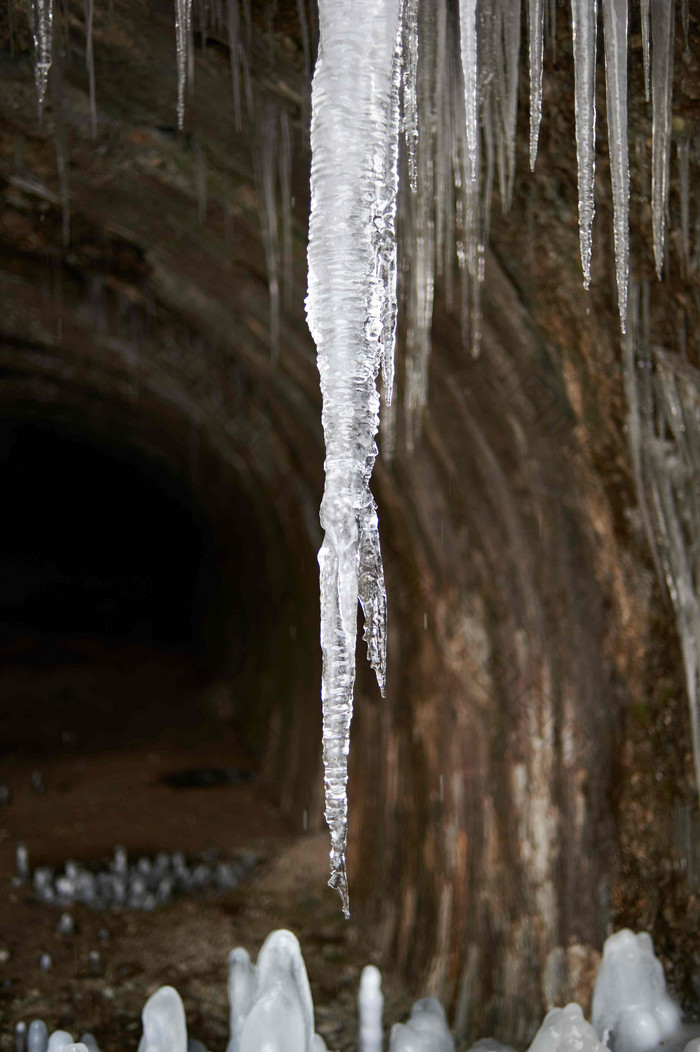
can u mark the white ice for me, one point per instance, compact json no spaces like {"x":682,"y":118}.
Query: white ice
{"x":351,"y":310}
{"x":630,"y":1003}
{"x":371,"y":1010}
{"x":425,"y":1031}
{"x":164,"y":1026}
{"x":565,"y":1030}
{"x":241,"y":993}
{"x":281,"y":1018}
{"x":59,"y":1039}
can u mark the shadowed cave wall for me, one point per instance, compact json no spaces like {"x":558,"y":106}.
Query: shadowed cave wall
{"x":519,"y":791}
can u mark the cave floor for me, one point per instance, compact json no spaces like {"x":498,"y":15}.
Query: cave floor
{"x":96,"y":797}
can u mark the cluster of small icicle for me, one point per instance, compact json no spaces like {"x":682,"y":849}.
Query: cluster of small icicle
{"x":271,"y":1008}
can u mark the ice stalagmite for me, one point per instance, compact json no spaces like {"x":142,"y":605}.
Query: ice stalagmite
{"x":351,"y":312}
{"x":615,"y":21}
{"x":585,"y":18}
{"x":164,"y":1026}
{"x":536,"y":46}
{"x":242,"y":982}
{"x":42,"y":32}
{"x":661,"y":89}
{"x":183,"y":35}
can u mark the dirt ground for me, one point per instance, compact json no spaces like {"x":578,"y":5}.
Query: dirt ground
{"x":96,"y":797}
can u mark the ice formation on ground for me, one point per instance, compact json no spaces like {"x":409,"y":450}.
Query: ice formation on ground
{"x":631,"y":1009}
{"x":272,"y":1011}
{"x":425,"y":1031}
{"x":142,"y":884}
{"x":565,"y":1030}
{"x":371,"y":1010}
{"x":164,"y":1026}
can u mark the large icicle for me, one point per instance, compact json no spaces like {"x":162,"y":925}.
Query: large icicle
{"x":351,"y":313}
{"x":585,"y":20}
{"x":661,"y":89}
{"x":536,"y":20}
{"x":42,"y":31}
{"x":615,"y":16}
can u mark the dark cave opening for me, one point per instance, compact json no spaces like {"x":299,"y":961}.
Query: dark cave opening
{"x":97,"y":543}
{"x":129,"y":606}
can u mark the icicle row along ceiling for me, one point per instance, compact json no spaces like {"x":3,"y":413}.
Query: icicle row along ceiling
{"x":446,"y":76}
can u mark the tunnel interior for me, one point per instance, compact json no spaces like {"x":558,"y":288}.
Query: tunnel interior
{"x":125,"y":600}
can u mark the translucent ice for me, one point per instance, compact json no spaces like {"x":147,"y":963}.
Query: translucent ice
{"x":536,"y":53}
{"x":42,"y":32}
{"x":565,"y":1030}
{"x":615,"y":15}
{"x":371,"y":1007}
{"x":630,"y":1003}
{"x":241,"y":993}
{"x":183,"y":28}
{"x":60,"y":1039}
{"x":425,"y":1031}
{"x":38,"y":1036}
{"x":351,"y":309}
{"x":164,"y":1027}
{"x":661,"y":90}
{"x":280,"y":966}
{"x":585,"y":20}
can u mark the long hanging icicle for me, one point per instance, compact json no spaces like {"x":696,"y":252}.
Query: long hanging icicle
{"x":351,"y":313}
{"x":536,"y":47}
{"x":183,"y":40}
{"x":615,"y":21}
{"x":661,"y":90}
{"x":42,"y":32}
{"x":585,"y":22}
{"x":468,"y":40}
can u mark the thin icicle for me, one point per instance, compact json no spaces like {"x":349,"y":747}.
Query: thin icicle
{"x":468,"y":40}
{"x":510,"y":13}
{"x":183,"y":38}
{"x":661,"y":91}
{"x":646,"y":47}
{"x":410,"y":88}
{"x":684,"y":190}
{"x":585,"y":21}
{"x":90,"y":64}
{"x":42,"y":32}
{"x":536,"y":51}
{"x":354,"y":136}
{"x":615,"y":21}
{"x":306,"y":49}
